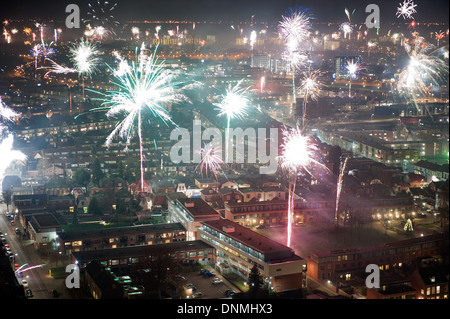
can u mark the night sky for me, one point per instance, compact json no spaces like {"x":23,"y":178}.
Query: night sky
{"x":228,"y":10}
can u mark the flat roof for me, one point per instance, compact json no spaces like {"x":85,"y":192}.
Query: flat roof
{"x":253,"y":239}
{"x":137,"y":251}
{"x":119,"y":231}
{"x":197,"y":207}
{"x":46,"y":220}
{"x":383,"y":246}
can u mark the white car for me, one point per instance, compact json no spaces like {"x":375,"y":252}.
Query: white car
{"x":217,"y":281}
{"x":25,"y":284}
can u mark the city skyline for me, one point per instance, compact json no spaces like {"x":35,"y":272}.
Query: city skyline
{"x":231,"y":10}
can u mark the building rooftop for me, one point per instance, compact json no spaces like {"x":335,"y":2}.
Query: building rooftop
{"x":274,"y":252}
{"x":400,"y":243}
{"x":197,"y":207}
{"x":46,"y":220}
{"x":119,"y":231}
{"x":135,"y":251}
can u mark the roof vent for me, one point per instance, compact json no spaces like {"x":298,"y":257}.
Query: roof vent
{"x":228,"y":229}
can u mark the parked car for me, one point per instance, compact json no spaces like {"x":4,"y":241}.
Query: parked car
{"x":216,"y":281}
{"x":29,"y":293}
{"x":191,"y":287}
{"x":197,"y":295}
{"x":229,"y":292}
{"x":209,"y":274}
{"x":25,"y":284}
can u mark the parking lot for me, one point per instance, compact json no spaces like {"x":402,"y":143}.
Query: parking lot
{"x":208,"y":289}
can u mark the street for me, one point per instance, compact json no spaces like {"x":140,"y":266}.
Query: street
{"x":39,"y":281}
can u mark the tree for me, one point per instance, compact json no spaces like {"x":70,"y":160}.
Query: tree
{"x":7,"y":198}
{"x":94,"y":207}
{"x":255,"y":281}
{"x":82,"y":177}
{"x":334,"y":156}
{"x":96,"y":171}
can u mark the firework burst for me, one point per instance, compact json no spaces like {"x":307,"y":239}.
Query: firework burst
{"x":346,"y":28}
{"x":211,"y":161}
{"x":100,"y":14}
{"x":144,"y":86}
{"x":310,"y":86}
{"x":299,"y":153}
{"x":425,"y":68}
{"x":406,"y":9}
{"x":84,"y":56}
{"x":234,"y":105}
{"x":294,"y":28}
{"x":353,"y":67}
{"x":9,"y":155}
{"x":6,"y":113}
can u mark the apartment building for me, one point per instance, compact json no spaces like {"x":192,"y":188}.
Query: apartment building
{"x":190,"y":212}
{"x":116,"y":237}
{"x":275,"y":211}
{"x":240,"y":248}
{"x":344,"y":263}
{"x":139,"y":256}
{"x":431,"y":282}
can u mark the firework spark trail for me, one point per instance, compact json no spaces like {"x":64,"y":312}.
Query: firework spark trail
{"x":371,"y":44}
{"x":406,"y":9}
{"x":253,"y":37}
{"x":352,"y":68}
{"x":145,"y":85}
{"x":310,"y":86}
{"x":211,"y":160}
{"x":339,"y":187}
{"x":439,"y":36}
{"x":298,"y":153}
{"x":41,"y":50}
{"x":57,"y":68}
